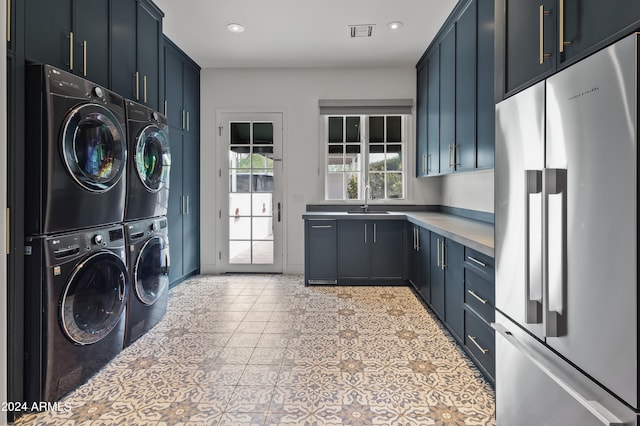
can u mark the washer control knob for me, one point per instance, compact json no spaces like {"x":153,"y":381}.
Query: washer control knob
{"x":154,"y":226}
{"x":98,"y":92}
{"x":97,"y":239}
{"x":154,"y":116}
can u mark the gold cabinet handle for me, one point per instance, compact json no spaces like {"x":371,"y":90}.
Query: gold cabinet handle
{"x":144,"y":86}
{"x":561,"y":17}
{"x":473,"y":340}
{"x":474,"y":294}
{"x":8,"y":20}
{"x":444,"y":255}
{"x":137,"y":86}
{"x":84,"y":54}
{"x":543,"y":55}
{"x":71,"y":51}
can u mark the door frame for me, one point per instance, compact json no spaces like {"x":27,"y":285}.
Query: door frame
{"x":222,"y":192}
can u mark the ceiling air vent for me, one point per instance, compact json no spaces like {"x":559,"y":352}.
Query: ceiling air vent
{"x":361,"y":30}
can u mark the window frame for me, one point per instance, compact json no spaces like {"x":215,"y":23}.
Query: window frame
{"x":364,"y":172}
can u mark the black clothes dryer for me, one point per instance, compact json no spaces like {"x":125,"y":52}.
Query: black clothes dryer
{"x":149,"y":162}
{"x":75,"y":300}
{"x":76,"y":153}
{"x":148,"y":264}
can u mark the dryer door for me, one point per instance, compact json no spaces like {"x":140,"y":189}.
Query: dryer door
{"x":94,"y":298}
{"x":151,"y":273}
{"x":152,"y":158}
{"x":94,"y":147}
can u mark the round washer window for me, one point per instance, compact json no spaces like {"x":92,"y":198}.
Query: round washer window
{"x":151,"y":273}
{"x":94,"y":298}
{"x":94,"y":147}
{"x":152,"y":158}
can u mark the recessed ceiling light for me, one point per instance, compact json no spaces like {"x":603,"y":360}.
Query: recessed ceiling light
{"x":235,"y":28}
{"x":395,"y":25}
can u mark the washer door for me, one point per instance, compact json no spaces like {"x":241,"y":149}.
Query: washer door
{"x":151,"y":273}
{"x":94,"y":298}
{"x":94,"y":147}
{"x":152,"y":158}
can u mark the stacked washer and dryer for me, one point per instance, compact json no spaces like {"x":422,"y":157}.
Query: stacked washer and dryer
{"x":81,"y":257}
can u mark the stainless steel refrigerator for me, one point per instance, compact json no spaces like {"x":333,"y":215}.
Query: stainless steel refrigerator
{"x":566,"y":246}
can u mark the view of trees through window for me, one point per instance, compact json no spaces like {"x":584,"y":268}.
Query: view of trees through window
{"x":365,"y":150}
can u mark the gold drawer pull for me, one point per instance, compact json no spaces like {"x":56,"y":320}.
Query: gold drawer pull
{"x":473,"y":340}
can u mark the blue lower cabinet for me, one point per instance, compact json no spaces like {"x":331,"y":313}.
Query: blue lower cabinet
{"x":370,"y":251}
{"x":321,"y":260}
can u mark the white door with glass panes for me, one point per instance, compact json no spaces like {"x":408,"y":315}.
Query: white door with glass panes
{"x":250,"y":192}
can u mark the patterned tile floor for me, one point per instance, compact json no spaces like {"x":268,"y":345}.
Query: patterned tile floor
{"x":265,"y":350}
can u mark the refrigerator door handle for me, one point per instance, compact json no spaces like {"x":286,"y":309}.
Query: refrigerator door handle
{"x":554,"y":250}
{"x":594,"y":407}
{"x":533,"y":307}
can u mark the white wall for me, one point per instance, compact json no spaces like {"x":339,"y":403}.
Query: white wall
{"x":3,"y":230}
{"x":295,"y":92}
{"x":473,"y":190}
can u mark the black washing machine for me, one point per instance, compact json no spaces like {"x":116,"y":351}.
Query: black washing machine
{"x":75,"y":306}
{"x":149,"y":162}
{"x":76,"y":153}
{"x":148,"y":264}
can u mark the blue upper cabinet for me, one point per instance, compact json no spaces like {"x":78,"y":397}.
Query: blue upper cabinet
{"x":457,"y":117}
{"x":70,"y":35}
{"x":536,"y":39}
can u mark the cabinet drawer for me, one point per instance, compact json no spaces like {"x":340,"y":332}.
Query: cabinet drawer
{"x":479,"y":294}
{"x":479,"y":339}
{"x":479,"y":262}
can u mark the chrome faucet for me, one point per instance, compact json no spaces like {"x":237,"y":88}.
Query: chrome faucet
{"x":367,"y":189}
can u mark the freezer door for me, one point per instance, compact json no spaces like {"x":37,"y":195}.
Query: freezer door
{"x":591,"y":210}
{"x":519,"y":160}
{"x":536,"y":387}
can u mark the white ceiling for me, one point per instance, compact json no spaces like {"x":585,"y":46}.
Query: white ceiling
{"x":302,"y":33}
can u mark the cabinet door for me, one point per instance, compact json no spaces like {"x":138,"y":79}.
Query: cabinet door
{"x":353,"y":254}
{"x":447,"y":100}
{"x":436,"y":275}
{"x":587,"y":23}
{"x":191,"y":192}
{"x":433,"y":111}
{"x":421,"y":120}
{"x":123,"y":47}
{"x":173,"y":88}
{"x":465,"y":104}
{"x":385,"y":245}
{"x":422,"y":267}
{"x":321,"y":262}
{"x":485,"y":107}
{"x":191,"y":97}
{"x":175,"y":207}
{"x":48,"y":29}
{"x":91,"y":40}
{"x":523,"y":42}
{"x":454,"y":287}
{"x":149,"y":35}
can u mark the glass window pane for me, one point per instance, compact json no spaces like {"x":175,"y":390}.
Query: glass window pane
{"x":394,"y":185}
{"x":376,"y":148}
{"x":335,"y":129}
{"x":353,"y":129}
{"x":353,"y":187}
{"x":262,"y":228}
{"x":394,"y":148}
{"x":336,"y":149}
{"x":263,"y":150}
{"x":239,"y":228}
{"x":239,"y":180}
{"x":335,"y":186}
{"x":262,"y":181}
{"x":394,"y":162}
{"x":239,"y":204}
{"x":354,"y":149}
{"x":239,"y":160}
{"x":262,"y":204}
{"x":262,"y":161}
{"x":263,"y":133}
{"x":376,"y":129}
{"x":263,"y":252}
{"x":394,"y":128}
{"x":376,"y":162}
{"x":240,"y":252}
{"x":376,"y":180}
{"x":336,"y":163}
{"x":240,"y":133}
